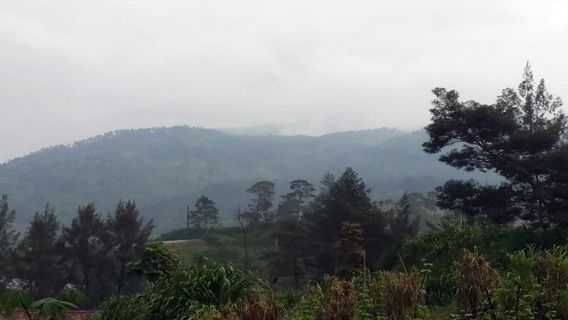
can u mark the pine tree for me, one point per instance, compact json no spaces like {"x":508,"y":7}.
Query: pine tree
{"x":260,"y":205}
{"x":41,"y":265}
{"x":130,"y":236}
{"x":87,"y":242}
{"x":521,"y":137}
{"x":401,"y":224}
{"x":8,"y":239}
{"x":296,"y":201}
{"x":343,"y":199}
{"x":204,"y":214}
{"x":349,"y":249}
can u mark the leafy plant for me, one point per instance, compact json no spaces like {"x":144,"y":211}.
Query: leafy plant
{"x":13,"y":299}
{"x":52,"y":309}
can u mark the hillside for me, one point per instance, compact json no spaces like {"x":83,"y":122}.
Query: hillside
{"x":165,"y":169}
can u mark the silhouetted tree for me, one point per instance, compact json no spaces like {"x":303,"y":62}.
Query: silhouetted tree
{"x":402,"y":224}
{"x":343,"y":199}
{"x":260,"y":205}
{"x":130,"y":235}
{"x":87,"y":242}
{"x":204,"y":214}
{"x":158,"y":261}
{"x":8,"y":239}
{"x":521,"y":137}
{"x":296,"y":201}
{"x":244,"y":221}
{"x":349,"y":249}
{"x":40,"y":259}
{"x":292,"y":249}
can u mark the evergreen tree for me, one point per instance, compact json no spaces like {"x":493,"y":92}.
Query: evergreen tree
{"x":87,"y":243}
{"x":130,"y":236}
{"x":8,"y":239}
{"x":521,"y":137}
{"x":260,"y":205}
{"x":349,"y":249}
{"x":292,"y":240}
{"x":204,"y":214}
{"x":40,"y":260}
{"x":343,"y":199}
{"x":401,"y":224}
{"x":295,"y":201}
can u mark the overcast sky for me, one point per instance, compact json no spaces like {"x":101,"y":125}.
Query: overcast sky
{"x":73,"y":69}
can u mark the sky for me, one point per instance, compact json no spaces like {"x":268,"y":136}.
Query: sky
{"x":72,"y":69}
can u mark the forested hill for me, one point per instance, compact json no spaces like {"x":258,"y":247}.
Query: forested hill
{"x":165,"y":169}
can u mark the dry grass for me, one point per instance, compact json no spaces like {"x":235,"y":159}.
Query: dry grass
{"x":475,"y":280}
{"x":401,"y":294}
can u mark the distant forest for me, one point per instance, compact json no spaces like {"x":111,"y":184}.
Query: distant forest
{"x":166,"y":169}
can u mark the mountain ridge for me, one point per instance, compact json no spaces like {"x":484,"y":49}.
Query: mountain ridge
{"x":165,"y":169}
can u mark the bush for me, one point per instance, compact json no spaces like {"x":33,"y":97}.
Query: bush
{"x":208,"y":284}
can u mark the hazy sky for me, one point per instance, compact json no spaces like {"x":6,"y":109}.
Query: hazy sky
{"x":72,"y":69}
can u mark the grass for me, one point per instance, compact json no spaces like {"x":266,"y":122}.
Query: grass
{"x":223,"y":244}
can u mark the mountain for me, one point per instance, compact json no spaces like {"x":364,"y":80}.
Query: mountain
{"x":165,"y":169}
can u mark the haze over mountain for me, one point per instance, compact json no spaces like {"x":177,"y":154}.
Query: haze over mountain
{"x":166,"y":169}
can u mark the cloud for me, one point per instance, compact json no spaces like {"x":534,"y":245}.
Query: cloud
{"x":72,"y":69}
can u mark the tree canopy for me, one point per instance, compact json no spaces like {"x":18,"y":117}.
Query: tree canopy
{"x":521,"y":137}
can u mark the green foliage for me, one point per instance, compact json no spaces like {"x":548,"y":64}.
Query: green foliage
{"x":172,"y":297}
{"x":74,"y":296}
{"x":123,"y":308}
{"x":224,"y":244}
{"x":52,"y":309}
{"x":40,"y":256}
{"x":204,"y":213}
{"x":157,"y":262}
{"x":12,"y":299}
{"x":8,"y":238}
{"x":163,"y":168}
{"x":521,"y":137}
{"x":87,"y":242}
{"x":130,"y":235}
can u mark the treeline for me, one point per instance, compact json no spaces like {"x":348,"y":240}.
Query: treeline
{"x":333,"y":230}
{"x":92,"y":254}
{"x":339,"y":232}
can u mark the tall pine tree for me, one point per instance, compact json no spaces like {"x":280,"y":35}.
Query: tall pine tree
{"x":40,"y":258}
{"x":87,"y":244}
{"x":130,"y":235}
{"x":204,"y":213}
{"x":521,"y":137}
{"x":8,"y":239}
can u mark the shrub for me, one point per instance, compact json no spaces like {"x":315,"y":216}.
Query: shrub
{"x":475,"y":280}
{"x":170,"y":298}
{"x":402,"y":294}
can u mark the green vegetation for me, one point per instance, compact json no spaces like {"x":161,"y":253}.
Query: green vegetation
{"x":167,"y":169}
{"x":333,"y":253}
{"x":531,"y":284}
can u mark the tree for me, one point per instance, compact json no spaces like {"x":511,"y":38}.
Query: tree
{"x":243,"y":220}
{"x":343,"y":199}
{"x":87,"y":242}
{"x":292,"y":249}
{"x":8,"y":239}
{"x":205,"y":213}
{"x":261,"y":203}
{"x":349,"y":249}
{"x":295,"y":202}
{"x":40,"y":258}
{"x":130,"y":236}
{"x":521,"y":137}
{"x":401,"y":224}
{"x":157,"y":262}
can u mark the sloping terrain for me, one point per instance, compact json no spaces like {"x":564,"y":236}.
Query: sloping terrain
{"x":165,"y":169}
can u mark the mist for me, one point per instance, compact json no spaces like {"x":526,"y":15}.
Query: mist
{"x":73,"y":69}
